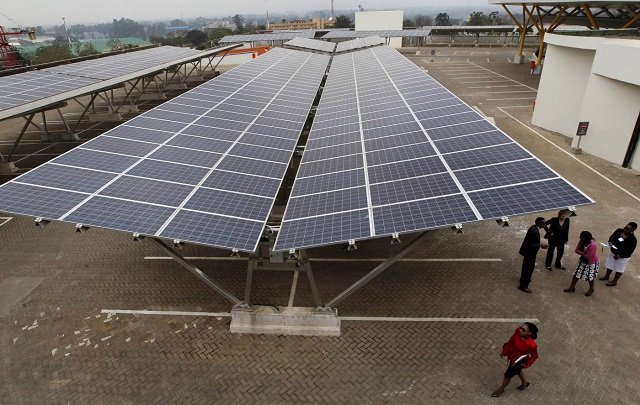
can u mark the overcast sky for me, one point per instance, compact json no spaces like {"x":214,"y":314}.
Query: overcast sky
{"x":45,"y":12}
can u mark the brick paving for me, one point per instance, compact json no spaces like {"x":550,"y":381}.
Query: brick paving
{"x":56,"y":346}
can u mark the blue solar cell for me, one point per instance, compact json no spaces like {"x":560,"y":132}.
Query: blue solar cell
{"x":186,"y":156}
{"x":460,"y":129}
{"x":270,"y":141}
{"x":231,"y":204}
{"x":391,"y":155}
{"x":406,"y":169}
{"x":67,"y":178}
{"x":527,"y":198}
{"x":146,"y":190}
{"x":473,"y":141}
{"x":153,"y":123}
{"x":333,"y":151}
{"x":328,"y":182}
{"x":323,"y":230}
{"x":330,"y":165}
{"x":178,"y":173}
{"x":208,"y":229}
{"x":104,"y":143}
{"x":213,"y":133}
{"x":416,"y":188}
{"x":242,"y":183}
{"x":96,"y":160}
{"x":327,"y":203}
{"x":28,"y":200}
{"x":121,"y":215}
{"x":486,"y":156}
{"x":263,"y":153}
{"x":140,"y":134}
{"x":252,"y":166}
{"x":197,"y":142}
{"x":424,"y":214}
{"x":176,"y":117}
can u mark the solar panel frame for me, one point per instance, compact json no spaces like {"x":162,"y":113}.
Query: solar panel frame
{"x":310,"y":44}
{"x":183,"y":188}
{"x":411,"y":183}
{"x":359,"y":43}
{"x":334,"y":34}
{"x":272,"y":36}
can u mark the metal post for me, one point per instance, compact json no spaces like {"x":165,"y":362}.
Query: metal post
{"x":197,"y":272}
{"x":305,"y":266}
{"x":251,"y":265}
{"x":24,"y":129}
{"x":377,"y":270}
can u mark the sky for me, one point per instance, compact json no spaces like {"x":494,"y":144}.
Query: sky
{"x":29,"y":13}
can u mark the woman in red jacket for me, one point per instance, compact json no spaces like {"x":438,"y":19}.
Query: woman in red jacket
{"x":522,"y":352}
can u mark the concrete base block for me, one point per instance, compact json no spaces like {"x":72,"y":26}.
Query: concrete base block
{"x":518,"y":59}
{"x":195,"y":78}
{"x":105,"y":117}
{"x":152,"y":96}
{"x":175,"y":86}
{"x":128,"y":109}
{"x":59,"y":137}
{"x":272,"y":320}
{"x":7,"y":167}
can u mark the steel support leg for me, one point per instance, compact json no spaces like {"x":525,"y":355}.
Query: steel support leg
{"x":377,"y":270}
{"x":197,"y":272}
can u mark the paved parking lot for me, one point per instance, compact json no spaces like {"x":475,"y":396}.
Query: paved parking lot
{"x":441,"y":315}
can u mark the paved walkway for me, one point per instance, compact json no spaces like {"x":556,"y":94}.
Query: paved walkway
{"x":59,"y":346}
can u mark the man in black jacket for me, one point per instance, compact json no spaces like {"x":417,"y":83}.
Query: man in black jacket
{"x":529,"y":250}
{"x":622,"y":243}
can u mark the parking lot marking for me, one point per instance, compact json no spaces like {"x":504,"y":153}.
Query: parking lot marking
{"x":498,"y":74}
{"x":4,"y":220}
{"x":342,"y":318}
{"x":491,"y":87}
{"x":329,"y":259}
{"x":573,"y":157}
{"x":511,"y":98}
{"x":504,"y":92}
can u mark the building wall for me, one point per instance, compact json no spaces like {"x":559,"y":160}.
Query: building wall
{"x":562,"y":88}
{"x":595,"y":80}
{"x":381,"y":20}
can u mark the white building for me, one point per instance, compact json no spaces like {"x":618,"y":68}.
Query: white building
{"x":594,"y":80}
{"x":381,"y":20}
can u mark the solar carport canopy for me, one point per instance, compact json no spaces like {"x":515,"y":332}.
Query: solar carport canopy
{"x":25,"y":92}
{"x":359,"y":43}
{"x":269,"y":36}
{"x":340,"y":34}
{"x":204,"y":167}
{"x":311,"y":44}
{"x":392,"y":151}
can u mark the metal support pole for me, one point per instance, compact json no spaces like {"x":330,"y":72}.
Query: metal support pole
{"x":84,"y":112}
{"x":24,"y":129}
{"x":305,"y":266}
{"x":64,"y":121}
{"x":197,"y":272}
{"x":373,"y":273}
{"x":251,"y":265}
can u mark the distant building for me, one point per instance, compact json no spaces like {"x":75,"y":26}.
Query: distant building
{"x":176,"y":29}
{"x":314,"y":24}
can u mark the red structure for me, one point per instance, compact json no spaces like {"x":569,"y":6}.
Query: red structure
{"x":7,"y":53}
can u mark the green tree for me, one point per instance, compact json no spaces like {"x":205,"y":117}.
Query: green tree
{"x":216,"y":34}
{"x":177,"y":23}
{"x":125,"y":27}
{"x":408,"y":23}
{"x":85,"y":49}
{"x":239,"y":22}
{"x":196,"y":37}
{"x":423,"y":20}
{"x":59,"y":50}
{"x":442,"y":19}
{"x":342,"y":21}
{"x":477,"y":18}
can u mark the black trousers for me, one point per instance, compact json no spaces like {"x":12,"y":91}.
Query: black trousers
{"x":528,"y":264}
{"x":552,"y":247}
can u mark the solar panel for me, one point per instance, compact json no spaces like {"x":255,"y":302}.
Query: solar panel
{"x":359,"y":43}
{"x":204,"y":167}
{"x":271,"y":36}
{"x":26,"y":87}
{"x":393,"y":151}
{"x":24,"y":92}
{"x":312,"y":44}
{"x":336,"y":34}
{"x":119,"y":65}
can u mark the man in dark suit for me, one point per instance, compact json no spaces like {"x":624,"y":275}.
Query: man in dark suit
{"x":529,"y":250}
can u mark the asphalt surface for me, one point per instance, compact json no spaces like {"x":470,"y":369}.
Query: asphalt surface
{"x":441,"y":316}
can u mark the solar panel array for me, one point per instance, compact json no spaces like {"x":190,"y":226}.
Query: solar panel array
{"x":273,"y":36}
{"x":23,"y":88}
{"x":312,"y":44}
{"x":125,"y":63}
{"x":204,"y":167}
{"x":26,"y":87}
{"x":359,"y":43}
{"x":393,"y":151}
{"x":384,"y":34}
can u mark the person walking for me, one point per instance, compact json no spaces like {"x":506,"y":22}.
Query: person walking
{"x":557,"y":233}
{"x":521,"y":351}
{"x":529,"y":250}
{"x":622,"y":243}
{"x":588,"y":265}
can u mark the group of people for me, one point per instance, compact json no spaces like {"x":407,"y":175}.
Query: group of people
{"x":521,"y":349}
{"x":622,"y":243}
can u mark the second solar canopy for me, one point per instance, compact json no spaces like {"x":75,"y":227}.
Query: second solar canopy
{"x":393,"y":151}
